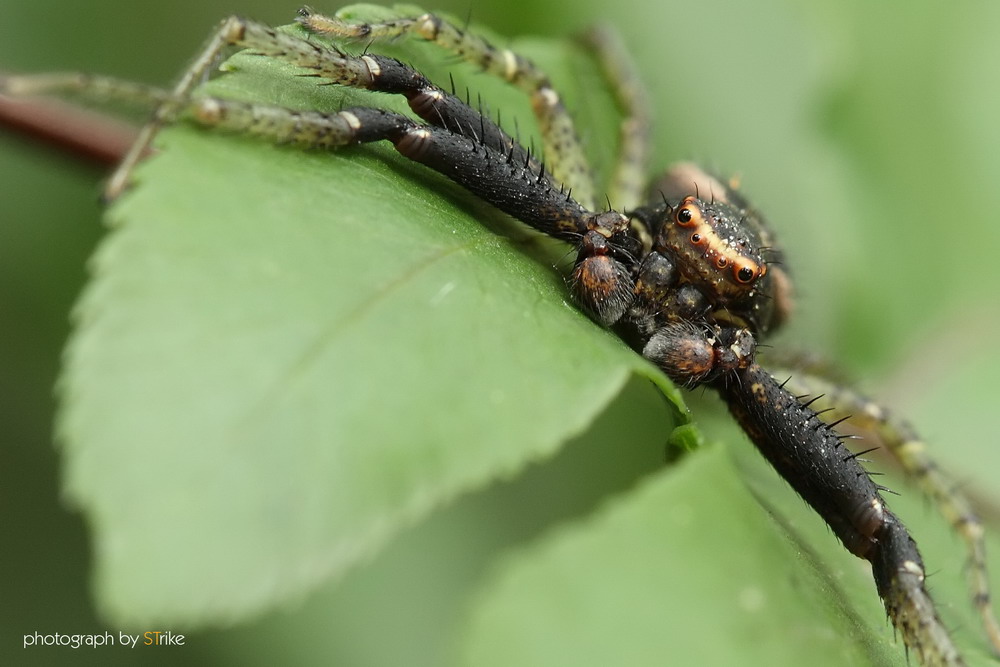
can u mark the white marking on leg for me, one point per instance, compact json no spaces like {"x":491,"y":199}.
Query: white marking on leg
{"x":549,"y":97}
{"x":352,"y":121}
{"x":373,"y":65}
{"x":208,"y":111}
{"x":509,"y":64}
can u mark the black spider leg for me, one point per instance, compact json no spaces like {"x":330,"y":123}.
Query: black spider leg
{"x":905,"y":445}
{"x":478,"y":155}
{"x":329,"y":63}
{"x":513,"y":186}
{"x":811,"y":457}
{"x":444,"y":109}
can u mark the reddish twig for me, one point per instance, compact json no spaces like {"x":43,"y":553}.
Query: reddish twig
{"x":87,"y":135}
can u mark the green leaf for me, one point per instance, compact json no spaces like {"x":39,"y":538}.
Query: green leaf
{"x":627,"y":587}
{"x":283,"y":358}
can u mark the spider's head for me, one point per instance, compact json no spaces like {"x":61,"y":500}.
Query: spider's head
{"x":717,"y":248}
{"x":723,"y":247}
{"x":713,"y":248}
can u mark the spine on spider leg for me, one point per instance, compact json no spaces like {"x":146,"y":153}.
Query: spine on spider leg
{"x":809,"y":454}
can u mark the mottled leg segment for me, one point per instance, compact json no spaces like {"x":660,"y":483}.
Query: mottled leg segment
{"x":909,"y":450}
{"x":88,"y":87}
{"x":229,"y":32}
{"x":310,"y":129}
{"x":242,"y":33}
{"x":811,"y":456}
{"x":627,"y":189}
{"x":563,"y":152}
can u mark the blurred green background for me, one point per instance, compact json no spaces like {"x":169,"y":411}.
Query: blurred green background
{"x":867,"y":133}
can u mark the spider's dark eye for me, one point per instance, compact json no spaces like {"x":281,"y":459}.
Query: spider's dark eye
{"x":696,"y":238}
{"x":744,"y":275}
{"x":684,"y":216}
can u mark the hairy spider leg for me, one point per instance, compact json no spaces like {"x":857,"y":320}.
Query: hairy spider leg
{"x":628,"y":184}
{"x":909,"y":450}
{"x":562,"y":148}
{"x":811,"y":456}
{"x":230,"y":32}
{"x":92,"y":88}
{"x":629,"y":180}
{"x":511,"y":185}
{"x":235,"y":31}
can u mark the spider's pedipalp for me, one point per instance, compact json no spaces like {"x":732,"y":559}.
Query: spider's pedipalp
{"x":694,"y":354}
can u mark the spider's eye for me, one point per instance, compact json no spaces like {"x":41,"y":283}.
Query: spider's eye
{"x":745,"y":274}
{"x":722,"y":262}
{"x":696,"y":238}
{"x":684,"y":215}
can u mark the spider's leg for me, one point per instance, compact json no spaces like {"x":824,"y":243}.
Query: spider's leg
{"x":809,"y":454}
{"x":465,"y":146}
{"x":811,"y":457}
{"x":628,"y":186}
{"x":511,"y":185}
{"x":563,"y":151}
{"x":238,"y":32}
{"x":231,"y":32}
{"x":910,"y":452}
{"x":373,"y":72}
{"x":378,"y":73}
{"x":88,"y":87}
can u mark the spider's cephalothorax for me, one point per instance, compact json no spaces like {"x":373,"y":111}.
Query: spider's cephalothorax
{"x":701,"y":273}
{"x":716,"y":251}
{"x":691,"y":279}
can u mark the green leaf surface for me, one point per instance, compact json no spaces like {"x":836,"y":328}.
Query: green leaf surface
{"x":285,"y":357}
{"x":550,"y":605}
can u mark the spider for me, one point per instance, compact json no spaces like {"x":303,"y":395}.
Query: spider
{"x":692,"y":279}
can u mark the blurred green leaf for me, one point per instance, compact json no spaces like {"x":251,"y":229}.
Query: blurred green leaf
{"x":636,"y":583}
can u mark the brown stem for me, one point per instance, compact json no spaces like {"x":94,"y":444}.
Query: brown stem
{"x":89,"y":136}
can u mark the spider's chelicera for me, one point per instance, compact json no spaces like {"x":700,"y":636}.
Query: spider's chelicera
{"x":691,"y":279}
